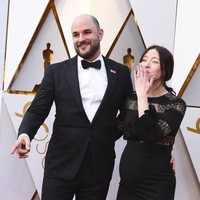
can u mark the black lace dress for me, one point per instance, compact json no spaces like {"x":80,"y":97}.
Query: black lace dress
{"x":145,"y":169}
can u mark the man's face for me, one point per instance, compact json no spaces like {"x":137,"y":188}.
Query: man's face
{"x":86,"y":37}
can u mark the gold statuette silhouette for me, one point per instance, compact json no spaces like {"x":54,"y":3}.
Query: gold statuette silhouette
{"x":129,"y":59}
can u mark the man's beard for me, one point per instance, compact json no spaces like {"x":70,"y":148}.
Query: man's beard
{"x":90,"y":53}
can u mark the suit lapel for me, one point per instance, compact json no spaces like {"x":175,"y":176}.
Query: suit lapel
{"x":111,"y":74}
{"x":72,"y":76}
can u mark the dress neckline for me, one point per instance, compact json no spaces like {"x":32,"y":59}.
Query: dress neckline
{"x":159,"y":97}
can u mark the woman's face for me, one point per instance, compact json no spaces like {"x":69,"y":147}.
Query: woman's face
{"x":151,"y":64}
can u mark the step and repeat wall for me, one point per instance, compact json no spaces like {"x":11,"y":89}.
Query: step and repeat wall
{"x":37,"y":33}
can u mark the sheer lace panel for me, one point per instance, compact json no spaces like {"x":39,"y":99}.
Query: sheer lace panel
{"x":164,"y":126}
{"x":164,"y":107}
{"x":132,"y":105}
{"x":167,"y":140}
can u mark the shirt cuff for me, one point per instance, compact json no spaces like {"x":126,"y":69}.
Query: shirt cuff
{"x":24,"y":134}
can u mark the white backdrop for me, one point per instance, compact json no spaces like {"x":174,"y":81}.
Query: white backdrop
{"x":160,"y":22}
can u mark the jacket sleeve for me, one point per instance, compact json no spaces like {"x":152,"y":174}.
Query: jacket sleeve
{"x":40,"y":106}
{"x":128,"y":89}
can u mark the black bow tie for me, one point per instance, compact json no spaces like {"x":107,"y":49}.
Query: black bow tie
{"x":86,"y":64}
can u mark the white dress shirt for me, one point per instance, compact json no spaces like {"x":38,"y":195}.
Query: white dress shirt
{"x":93,"y":83}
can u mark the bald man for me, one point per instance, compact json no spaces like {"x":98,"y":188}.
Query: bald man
{"x":89,"y":92}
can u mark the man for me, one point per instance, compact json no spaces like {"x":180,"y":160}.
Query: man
{"x":80,"y":155}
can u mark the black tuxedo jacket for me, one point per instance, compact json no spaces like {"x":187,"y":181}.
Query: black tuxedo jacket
{"x":72,"y":131}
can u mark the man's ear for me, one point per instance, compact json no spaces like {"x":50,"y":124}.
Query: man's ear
{"x":101,"y":32}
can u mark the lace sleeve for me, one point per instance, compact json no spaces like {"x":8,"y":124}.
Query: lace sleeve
{"x":160,"y":123}
{"x":178,"y":107}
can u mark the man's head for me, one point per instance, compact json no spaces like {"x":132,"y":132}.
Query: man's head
{"x":87,"y":35}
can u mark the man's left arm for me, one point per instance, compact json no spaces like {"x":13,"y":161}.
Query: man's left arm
{"x":128,"y":89}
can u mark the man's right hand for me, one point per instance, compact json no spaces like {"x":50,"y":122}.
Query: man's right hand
{"x":22,"y":146}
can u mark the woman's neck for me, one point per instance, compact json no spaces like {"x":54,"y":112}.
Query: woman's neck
{"x":157,"y":90}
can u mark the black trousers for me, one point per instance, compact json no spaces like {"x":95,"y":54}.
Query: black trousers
{"x":85,"y":186}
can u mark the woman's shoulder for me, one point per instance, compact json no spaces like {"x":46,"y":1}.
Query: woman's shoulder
{"x":178,"y":103}
{"x":173,"y":98}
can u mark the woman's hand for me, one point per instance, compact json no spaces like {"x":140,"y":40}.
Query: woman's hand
{"x":142,"y":86}
{"x":142,"y":82}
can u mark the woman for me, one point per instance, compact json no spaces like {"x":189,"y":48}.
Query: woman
{"x":154,"y":115}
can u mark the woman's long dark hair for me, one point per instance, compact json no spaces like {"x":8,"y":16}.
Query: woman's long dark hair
{"x":166,"y":64}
